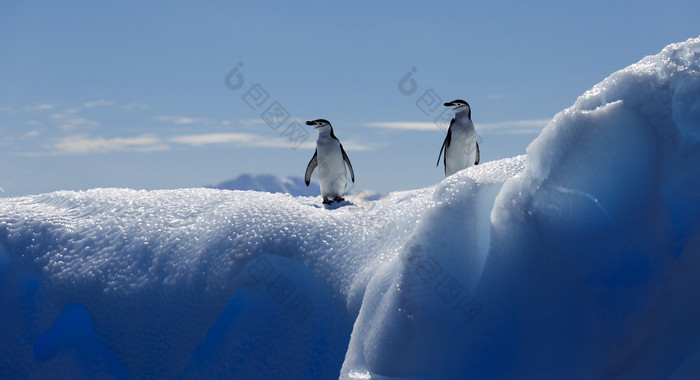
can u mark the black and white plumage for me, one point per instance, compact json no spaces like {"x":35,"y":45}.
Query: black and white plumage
{"x":460,"y":146}
{"x":330,"y":158}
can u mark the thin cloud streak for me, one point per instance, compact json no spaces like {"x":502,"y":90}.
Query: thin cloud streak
{"x":80,"y":144}
{"x":180,"y":119}
{"x":510,"y":127}
{"x":241,"y":139}
{"x":40,"y":107}
{"x":251,"y":140}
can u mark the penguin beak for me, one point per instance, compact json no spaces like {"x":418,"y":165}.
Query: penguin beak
{"x":309,"y":123}
{"x":449,"y":104}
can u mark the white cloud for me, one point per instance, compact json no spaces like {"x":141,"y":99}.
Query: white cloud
{"x":40,"y":107}
{"x":214,"y":138}
{"x":244,"y":139}
{"x":80,"y":144}
{"x":32,"y":134}
{"x":258,"y":141}
{"x":33,"y":122}
{"x":509,"y":127}
{"x":241,"y":139}
{"x":180,"y":119}
{"x":98,"y":103}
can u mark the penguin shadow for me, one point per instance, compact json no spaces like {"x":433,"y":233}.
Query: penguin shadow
{"x":334,"y":205}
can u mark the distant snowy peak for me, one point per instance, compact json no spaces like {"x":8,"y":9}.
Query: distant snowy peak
{"x":271,"y":184}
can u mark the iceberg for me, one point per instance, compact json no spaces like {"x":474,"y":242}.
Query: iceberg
{"x":580,"y":259}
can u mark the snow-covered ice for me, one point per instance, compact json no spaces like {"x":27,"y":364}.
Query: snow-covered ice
{"x":580,"y":260}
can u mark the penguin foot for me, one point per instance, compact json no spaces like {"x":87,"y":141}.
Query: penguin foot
{"x":327,"y":201}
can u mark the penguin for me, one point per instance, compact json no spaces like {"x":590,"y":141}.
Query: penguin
{"x":330,"y":157}
{"x":460,"y":146}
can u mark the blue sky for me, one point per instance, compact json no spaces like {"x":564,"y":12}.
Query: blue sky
{"x":113,"y":95}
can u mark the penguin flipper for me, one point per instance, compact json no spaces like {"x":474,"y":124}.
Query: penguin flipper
{"x":310,"y":168}
{"x":445,"y":145}
{"x":478,"y":155}
{"x":440,"y":154}
{"x":347,"y":160}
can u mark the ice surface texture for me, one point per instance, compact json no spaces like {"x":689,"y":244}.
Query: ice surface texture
{"x":581,"y":260}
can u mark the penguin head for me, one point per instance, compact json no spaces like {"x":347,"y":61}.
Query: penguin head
{"x":460,"y":105}
{"x":321,"y":125}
